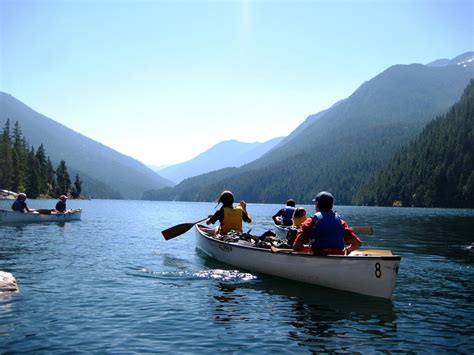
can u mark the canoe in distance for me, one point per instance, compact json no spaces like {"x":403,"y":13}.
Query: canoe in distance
{"x":7,"y":216}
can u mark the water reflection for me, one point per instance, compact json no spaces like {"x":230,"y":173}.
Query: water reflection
{"x":315,"y":314}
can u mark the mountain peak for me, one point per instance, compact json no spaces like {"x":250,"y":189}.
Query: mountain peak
{"x":464,"y":59}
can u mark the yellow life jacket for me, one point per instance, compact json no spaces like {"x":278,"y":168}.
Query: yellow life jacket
{"x":232,"y":220}
{"x":298,"y":220}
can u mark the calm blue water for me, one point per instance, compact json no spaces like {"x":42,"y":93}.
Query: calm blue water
{"x":111,"y":283}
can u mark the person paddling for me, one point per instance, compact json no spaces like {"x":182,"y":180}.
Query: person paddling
{"x":20,"y":205}
{"x":326,"y":232}
{"x":230,"y":217}
{"x":284,"y":216}
{"x":61,"y":205}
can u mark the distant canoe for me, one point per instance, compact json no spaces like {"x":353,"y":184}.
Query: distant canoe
{"x":367,"y":272}
{"x":7,"y":216}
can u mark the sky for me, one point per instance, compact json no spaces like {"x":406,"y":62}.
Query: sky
{"x":162,"y":81}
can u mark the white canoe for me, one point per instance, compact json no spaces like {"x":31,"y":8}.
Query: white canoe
{"x":368,"y":273}
{"x":7,"y":216}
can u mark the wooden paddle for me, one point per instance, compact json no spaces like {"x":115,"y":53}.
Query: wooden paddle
{"x":288,"y":251}
{"x":282,"y":250}
{"x":371,"y":252}
{"x":43,"y":211}
{"x":179,"y":229}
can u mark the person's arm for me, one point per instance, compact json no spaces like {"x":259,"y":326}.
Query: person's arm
{"x":217,"y":216}
{"x":245,"y":215}
{"x":276,"y":216}
{"x":303,"y":236}
{"x":351,"y":239}
{"x":30,"y":210}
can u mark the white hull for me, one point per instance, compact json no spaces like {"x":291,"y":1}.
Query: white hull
{"x":7,"y":216}
{"x":281,"y":231}
{"x":368,"y":275}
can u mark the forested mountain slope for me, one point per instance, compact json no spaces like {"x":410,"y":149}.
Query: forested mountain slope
{"x":102,"y":165}
{"x":344,"y":146}
{"x":231,"y":153}
{"x":436,"y":170}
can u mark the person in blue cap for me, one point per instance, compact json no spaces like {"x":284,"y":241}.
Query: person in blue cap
{"x":326,"y":232}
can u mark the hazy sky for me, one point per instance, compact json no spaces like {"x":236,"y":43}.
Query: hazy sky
{"x":162,"y":81}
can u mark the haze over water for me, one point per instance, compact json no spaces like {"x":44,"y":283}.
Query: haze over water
{"x":111,"y":283}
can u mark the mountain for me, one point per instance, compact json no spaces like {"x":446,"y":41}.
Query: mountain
{"x":345,"y":145}
{"x":464,"y":59}
{"x":123,"y":175}
{"x":231,"y":153}
{"x":306,"y":123}
{"x":435,"y":170}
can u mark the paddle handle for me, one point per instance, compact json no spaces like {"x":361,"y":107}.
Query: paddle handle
{"x":201,"y":220}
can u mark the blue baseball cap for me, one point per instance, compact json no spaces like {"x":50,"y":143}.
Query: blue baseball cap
{"x":324,"y":199}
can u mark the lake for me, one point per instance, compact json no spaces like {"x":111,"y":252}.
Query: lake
{"x":110,"y":283}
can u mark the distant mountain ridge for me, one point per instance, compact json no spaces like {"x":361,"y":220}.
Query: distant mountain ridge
{"x":128,"y":177}
{"x":463,"y":59}
{"x":341,"y":148}
{"x":230,"y":153}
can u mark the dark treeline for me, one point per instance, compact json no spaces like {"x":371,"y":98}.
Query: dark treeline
{"x":436,"y":170}
{"x":24,"y":169}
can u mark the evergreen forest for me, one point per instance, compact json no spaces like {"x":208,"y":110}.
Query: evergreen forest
{"x":25,"y":169}
{"x":435,"y":170}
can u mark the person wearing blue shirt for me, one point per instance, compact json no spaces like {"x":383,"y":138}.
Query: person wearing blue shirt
{"x":20,"y":205}
{"x":285,"y":215}
{"x":61,"y":205}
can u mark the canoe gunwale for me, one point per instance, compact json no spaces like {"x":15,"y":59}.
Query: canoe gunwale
{"x":301,"y":255}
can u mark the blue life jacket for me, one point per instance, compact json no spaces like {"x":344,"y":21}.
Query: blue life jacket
{"x":287,"y":216}
{"x":19,"y":206}
{"x":327,"y":231}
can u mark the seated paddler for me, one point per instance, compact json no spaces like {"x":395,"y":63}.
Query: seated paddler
{"x":230,"y":217}
{"x":284,"y":216}
{"x":326,"y":233}
{"x":20,"y":205}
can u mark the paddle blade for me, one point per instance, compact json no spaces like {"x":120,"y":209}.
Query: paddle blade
{"x":177,"y":230}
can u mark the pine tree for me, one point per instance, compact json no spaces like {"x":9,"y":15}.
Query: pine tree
{"x":63,"y":182}
{"x":77,"y":187}
{"x":43,"y":187}
{"x":50,"y":177}
{"x":32,"y":175}
{"x":6,"y":160}
{"x":19,"y":155}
